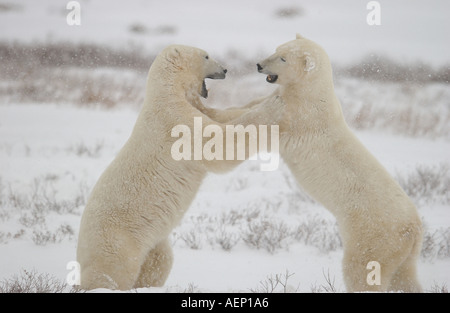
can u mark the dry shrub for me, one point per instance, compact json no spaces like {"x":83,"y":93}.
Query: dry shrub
{"x":436,"y":244}
{"x":266,"y":234}
{"x":436,"y":288}
{"x":381,"y":68}
{"x":427,"y":183}
{"x":18,"y":59}
{"x":289,"y":12}
{"x":318,"y":232}
{"x":78,"y":74}
{"x":275,"y":283}
{"x":33,"y":282}
{"x":396,"y":107}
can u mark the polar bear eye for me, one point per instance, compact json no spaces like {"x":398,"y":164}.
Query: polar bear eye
{"x":207,"y":57}
{"x":282,"y":59}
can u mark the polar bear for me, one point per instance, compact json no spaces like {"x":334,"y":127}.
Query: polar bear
{"x":143,"y":194}
{"x":377,"y":221}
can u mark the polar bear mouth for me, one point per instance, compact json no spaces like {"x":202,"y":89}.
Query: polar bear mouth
{"x":271,"y":78}
{"x":204,"y":92}
{"x":221,"y":74}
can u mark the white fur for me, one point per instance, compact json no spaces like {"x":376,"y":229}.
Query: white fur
{"x":144,"y":193}
{"x":377,"y":220}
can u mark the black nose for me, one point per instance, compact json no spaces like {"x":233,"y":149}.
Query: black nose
{"x":225,"y":71}
{"x":259,"y":67}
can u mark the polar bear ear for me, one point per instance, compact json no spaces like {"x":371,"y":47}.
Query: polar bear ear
{"x":298,"y":36}
{"x":310,"y":63}
{"x":173,"y":53}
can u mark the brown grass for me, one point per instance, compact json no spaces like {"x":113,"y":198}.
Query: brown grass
{"x":87,"y":75}
{"x":72,"y":73}
{"x":381,"y":68}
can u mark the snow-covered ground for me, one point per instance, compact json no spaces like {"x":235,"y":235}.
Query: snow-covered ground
{"x":245,"y":227}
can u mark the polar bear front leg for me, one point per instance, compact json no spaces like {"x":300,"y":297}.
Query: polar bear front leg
{"x":268,"y":112}
{"x":231,"y":114}
{"x":220,"y":116}
{"x":260,"y":100}
{"x":156,"y":267}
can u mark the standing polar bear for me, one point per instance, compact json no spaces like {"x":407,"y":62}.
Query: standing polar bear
{"x":143,"y":194}
{"x":377,"y":221}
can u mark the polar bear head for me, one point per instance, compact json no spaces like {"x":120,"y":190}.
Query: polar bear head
{"x":294,"y":62}
{"x":191,"y":66}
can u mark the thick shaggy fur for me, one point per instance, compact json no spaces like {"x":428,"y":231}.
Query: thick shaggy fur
{"x":144,"y":193}
{"x":377,"y":220}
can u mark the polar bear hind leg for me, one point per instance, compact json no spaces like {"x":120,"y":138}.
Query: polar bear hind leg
{"x":113,"y":263}
{"x":357,"y":276}
{"x":405,"y":277}
{"x":116,"y":273}
{"x":156,"y":267}
{"x":397,"y":268}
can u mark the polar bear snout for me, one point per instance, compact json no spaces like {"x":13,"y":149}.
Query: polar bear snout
{"x":218,"y":75}
{"x":213,"y":69}
{"x":259,"y":67}
{"x":271,"y":77}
